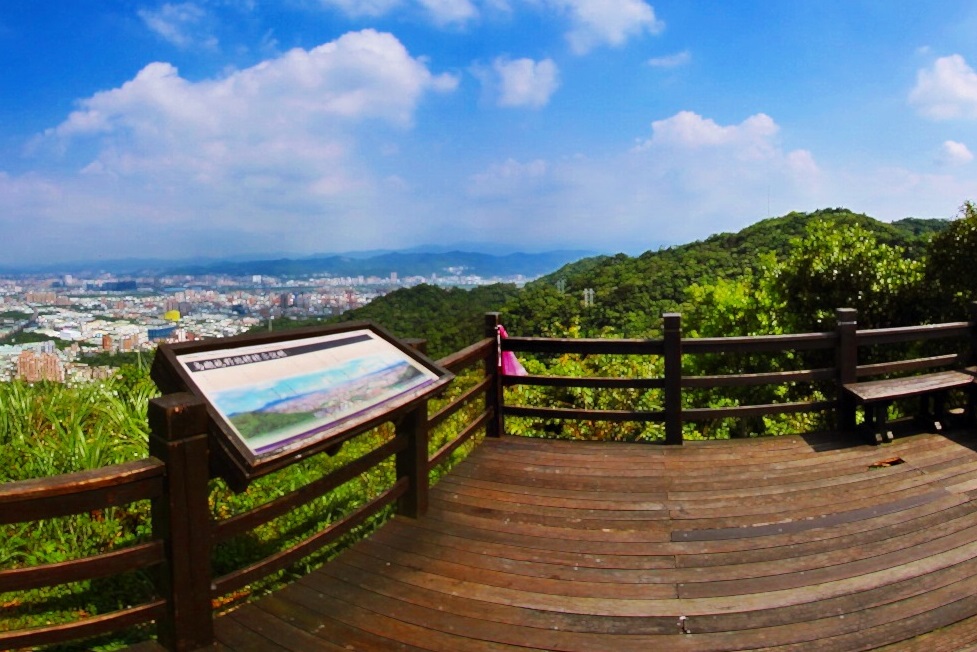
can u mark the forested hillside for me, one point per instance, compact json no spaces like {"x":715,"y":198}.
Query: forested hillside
{"x":448,"y":318}
{"x":631,"y":293}
{"x":779,"y":274}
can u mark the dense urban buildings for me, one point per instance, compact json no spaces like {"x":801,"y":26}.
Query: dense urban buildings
{"x":52,"y":327}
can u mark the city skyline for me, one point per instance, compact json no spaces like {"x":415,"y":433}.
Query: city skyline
{"x":235,"y":127}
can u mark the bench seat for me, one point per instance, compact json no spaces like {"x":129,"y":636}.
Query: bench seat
{"x":877,"y":395}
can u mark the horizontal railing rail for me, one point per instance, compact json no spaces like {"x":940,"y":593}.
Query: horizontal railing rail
{"x":477,"y":405}
{"x":80,"y":493}
{"x":842,"y":344}
{"x":759,"y":343}
{"x":283,"y":559}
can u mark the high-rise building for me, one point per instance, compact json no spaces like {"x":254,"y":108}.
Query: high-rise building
{"x":34,"y":367}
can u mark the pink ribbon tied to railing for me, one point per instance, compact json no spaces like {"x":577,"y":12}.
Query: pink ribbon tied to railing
{"x":509,"y":364}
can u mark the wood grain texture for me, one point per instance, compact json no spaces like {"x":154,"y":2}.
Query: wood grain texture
{"x":793,"y":543}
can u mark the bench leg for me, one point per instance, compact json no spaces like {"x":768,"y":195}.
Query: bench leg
{"x":939,"y":410}
{"x":933,"y":411}
{"x":876,"y":420}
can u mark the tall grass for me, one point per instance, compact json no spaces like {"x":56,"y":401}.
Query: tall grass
{"x":48,"y":428}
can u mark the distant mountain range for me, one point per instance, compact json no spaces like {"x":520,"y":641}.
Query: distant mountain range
{"x":419,"y":261}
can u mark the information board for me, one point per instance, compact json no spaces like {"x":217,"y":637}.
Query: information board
{"x":274,"y":399}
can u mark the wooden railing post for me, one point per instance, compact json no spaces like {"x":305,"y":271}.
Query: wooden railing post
{"x":846,"y":361}
{"x":412,"y":462}
{"x":673,"y":377}
{"x":181,"y":518}
{"x":494,"y":393}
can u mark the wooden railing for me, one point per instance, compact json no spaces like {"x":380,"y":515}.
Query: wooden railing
{"x":840,"y":347}
{"x":176,"y":477}
{"x":80,"y":493}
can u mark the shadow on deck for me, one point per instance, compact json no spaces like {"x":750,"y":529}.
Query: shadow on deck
{"x":787,"y":543}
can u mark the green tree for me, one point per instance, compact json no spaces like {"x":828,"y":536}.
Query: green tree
{"x":951,"y":274}
{"x":847,"y":267}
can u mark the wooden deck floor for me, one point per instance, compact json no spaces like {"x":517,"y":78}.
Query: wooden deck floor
{"x":790,"y":543}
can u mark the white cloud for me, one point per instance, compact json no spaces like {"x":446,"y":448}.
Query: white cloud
{"x":284,"y":147}
{"x":358,"y":8}
{"x":450,"y":11}
{"x":361,"y":75}
{"x":593,"y":23}
{"x":671,"y":61}
{"x":442,"y":12}
{"x":953,"y":153}
{"x":691,"y":177}
{"x":946,"y":90}
{"x":185,"y":25}
{"x":607,"y":22}
{"x":521,"y":82}
{"x":751,"y":139}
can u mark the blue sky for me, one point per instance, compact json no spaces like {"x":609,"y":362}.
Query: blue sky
{"x":228,"y":127}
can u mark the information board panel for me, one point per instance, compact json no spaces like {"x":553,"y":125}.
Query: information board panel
{"x":272,"y":400}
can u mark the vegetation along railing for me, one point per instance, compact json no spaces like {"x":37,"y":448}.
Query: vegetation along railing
{"x":823,"y":362}
{"x":194,"y":534}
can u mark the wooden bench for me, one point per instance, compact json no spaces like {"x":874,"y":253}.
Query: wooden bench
{"x":877,"y":395}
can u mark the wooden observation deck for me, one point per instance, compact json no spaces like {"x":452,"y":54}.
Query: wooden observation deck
{"x":786,"y":543}
{"x":797,"y":542}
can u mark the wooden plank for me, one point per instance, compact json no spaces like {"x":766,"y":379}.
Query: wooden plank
{"x":110,"y":563}
{"x":449,"y":541}
{"x":870,"y":535}
{"x":243,"y":523}
{"x":583,"y":346}
{"x":302,"y":607}
{"x":84,"y":491}
{"x":442,"y":454}
{"x":450,"y":489}
{"x":784,"y":579}
{"x":655,"y":416}
{"x":284,"y":558}
{"x":571,"y":584}
{"x":897,"y":388}
{"x":279,"y":634}
{"x":527,"y":561}
{"x":500,"y":612}
{"x":570,"y":517}
{"x":851,"y":603}
{"x":719,"y":523}
{"x":750,"y":380}
{"x":959,"y":635}
{"x":742,"y":411}
{"x":81,"y":629}
{"x":591,"y":381}
{"x":380,"y":623}
{"x":876,"y":336}
{"x":482,"y":631}
{"x":468,"y":356}
{"x":559,"y":545}
{"x":907,"y":366}
{"x":759,"y":344}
